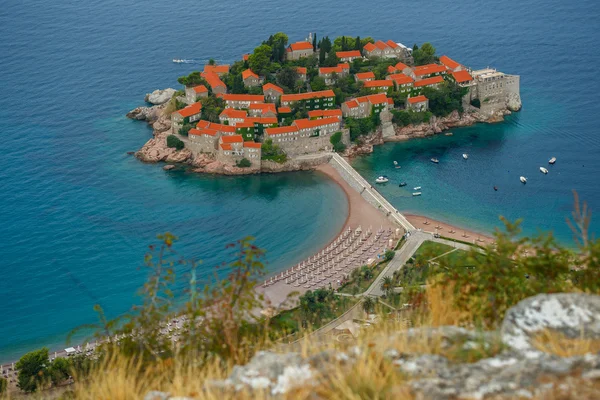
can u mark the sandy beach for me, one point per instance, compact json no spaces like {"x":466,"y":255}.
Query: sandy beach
{"x":449,"y":230}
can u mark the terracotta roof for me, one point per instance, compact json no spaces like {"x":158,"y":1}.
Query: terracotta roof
{"x":314,"y":123}
{"x":284,"y":110}
{"x":280,"y":130}
{"x":202,"y":124}
{"x":252,"y":145}
{"x":369,"y":47}
{"x":200,"y":89}
{"x":217,"y":69}
{"x":378,"y":83}
{"x":325,"y":113}
{"x":401,"y":79}
{"x":347,"y":54}
{"x":222,"y":128}
{"x":377,"y":98}
{"x":416,"y":99}
{"x":248,"y":73}
{"x":391,"y":69}
{"x":243,"y":97}
{"x":398,"y":67}
{"x":301,"y":46}
{"x":365,"y":75}
{"x":429,"y":69}
{"x":190,"y":110}
{"x":213,"y":79}
{"x":309,"y":95}
{"x":203,"y":131}
{"x":245,"y":57}
{"x":429,"y":81}
{"x":390,"y":101}
{"x":232,"y":139}
{"x":263,"y":107}
{"x":448,"y":62}
{"x":351,"y":103}
{"x":338,"y":69}
{"x":381,"y":45}
{"x":225,"y":146}
{"x":244,"y":124}
{"x":462,"y":76}
{"x":261,"y":120}
{"x":270,"y":86}
{"x":392,"y":44}
{"x":233,"y":113}
{"x":301,"y":70}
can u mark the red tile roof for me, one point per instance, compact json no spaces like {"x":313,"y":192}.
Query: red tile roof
{"x":261,"y":120}
{"x":365,"y":75}
{"x":203,"y":131}
{"x":379,"y":83}
{"x":243,"y":97}
{"x":244,"y":124}
{"x":462,"y":76}
{"x":248,"y":74}
{"x":217,"y":69}
{"x":377,"y":98}
{"x":301,"y":46}
{"x":301,"y":70}
{"x":284,"y":110}
{"x":202,"y":124}
{"x":429,"y":81}
{"x":338,"y":69}
{"x":400,"y":79}
{"x":381,"y":45}
{"x":398,"y":67}
{"x":429,"y":69}
{"x":252,"y":145}
{"x":369,"y":47}
{"x":392,"y":44}
{"x":270,"y":86}
{"x":325,"y":113}
{"x":347,"y":54}
{"x":306,"y":96}
{"x":190,"y":110}
{"x":280,"y":130}
{"x":416,"y":99}
{"x":448,"y":62}
{"x":263,"y":107}
{"x":352,"y":103}
{"x":200,"y":89}
{"x":233,"y":113}
{"x":314,"y":123}
{"x":245,"y":57}
{"x":232,"y":139}
{"x":225,"y":146}
{"x":213,"y":80}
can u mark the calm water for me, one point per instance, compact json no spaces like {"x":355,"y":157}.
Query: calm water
{"x":76,"y":213}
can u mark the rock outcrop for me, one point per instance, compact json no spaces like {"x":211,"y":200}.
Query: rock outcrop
{"x":159,"y":96}
{"x":513,"y":102}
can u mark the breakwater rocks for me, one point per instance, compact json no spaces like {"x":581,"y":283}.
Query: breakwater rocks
{"x":517,"y":369}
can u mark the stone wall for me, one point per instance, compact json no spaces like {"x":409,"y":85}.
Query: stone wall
{"x":368,"y":192}
{"x":310,"y":145}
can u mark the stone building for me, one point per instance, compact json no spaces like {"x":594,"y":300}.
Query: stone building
{"x":495,"y":90}
{"x":193,"y":94}
{"x":202,"y":140}
{"x":348,"y":56}
{"x":297,"y":50}
{"x":230,"y":150}
{"x":240,"y":101}
{"x":389,"y":49}
{"x":312,"y":100}
{"x":427,"y":82}
{"x":216,"y":84}
{"x":190,"y":113}
{"x":451,"y":64}
{"x":301,"y":73}
{"x":318,"y":114}
{"x":363,"y":107}
{"x":306,"y":136}
{"x":427,"y":71}
{"x":253,"y":153}
{"x":381,"y":85}
{"x":330,"y":74}
{"x":232,"y":116}
{"x":417,"y":103}
{"x":272,"y":92}
{"x":399,"y":68}
{"x":462,"y":78}
{"x":364,"y":76}
{"x":402,"y":82}
{"x":250,"y":79}
{"x":266,"y":110}
{"x":219,"y":70}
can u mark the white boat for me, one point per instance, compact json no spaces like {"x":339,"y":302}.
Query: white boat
{"x":523,"y":179}
{"x":465,"y":156}
{"x":181,"y":61}
{"x":417,"y":188}
{"x":448,"y":134}
{"x":396,"y":164}
{"x":416,"y":193}
{"x":382,"y":179}
{"x":552,"y":160}
{"x":435,"y":160}
{"x":543,"y":170}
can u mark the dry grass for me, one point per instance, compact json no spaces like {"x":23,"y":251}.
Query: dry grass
{"x":441,"y":307}
{"x":556,"y":343}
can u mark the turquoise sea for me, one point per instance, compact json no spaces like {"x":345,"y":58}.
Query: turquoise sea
{"x":76,"y":213}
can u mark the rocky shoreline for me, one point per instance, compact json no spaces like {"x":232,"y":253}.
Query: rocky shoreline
{"x":156,"y":150}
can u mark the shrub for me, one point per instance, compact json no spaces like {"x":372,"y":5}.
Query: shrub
{"x":32,"y":369}
{"x":174,"y":142}
{"x":59,"y":370}
{"x":185,"y":128}
{"x":476,"y":103}
{"x":272,"y":152}
{"x":389,"y":254}
{"x":336,"y":141}
{"x":244,"y":163}
{"x":3,"y":385}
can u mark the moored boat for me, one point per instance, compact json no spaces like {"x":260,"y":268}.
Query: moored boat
{"x":552,"y":160}
{"x":396,"y":164}
{"x":382,"y":179}
{"x":417,"y":188}
{"x":435,"y":160}
{"x":448,"y":133}
{"x":416,"y":194}
{"x":543,"y":170}
{"x":465,"y":156}
{"x":402,"y":184}
{"x":523,"y":179}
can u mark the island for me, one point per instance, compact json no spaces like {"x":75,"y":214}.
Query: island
{"x":290,"y":106}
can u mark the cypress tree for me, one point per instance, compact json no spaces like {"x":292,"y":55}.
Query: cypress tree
{"x":357,"y":45}
{"x":344,"y":48}
{"x":315,"y":42}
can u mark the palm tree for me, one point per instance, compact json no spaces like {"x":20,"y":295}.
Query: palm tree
{"x":387,"y":285}
{"x":368,"y":304}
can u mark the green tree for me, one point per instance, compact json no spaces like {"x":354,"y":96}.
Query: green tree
{"x":244,"y":163}
{"x":446,"y":98}
{"x":185,"y":128}
{"x":314,"y":43}
{"x":287,"y":78}
{"x":318,"y":83}
{"x":212,"y":62}
{"x":3,"y":385}
{"x":389,"y":254}
{"x":424,"y":54}
{"x":259,"y":60}
{"x":237,"y":86}
{"x":331,"y":60}
{"x":33,"y":370}
{"x":174,"y":142}
{"x":212,"y":107}
{"x":368,"y":304}
{"x":357,"y":44}
{"x":59,"y":370}
{"x":273,"y":152}
{"x":336,"y":141}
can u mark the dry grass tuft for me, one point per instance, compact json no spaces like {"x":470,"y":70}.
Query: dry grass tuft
{"x":556,"y":343}
{"x":441,"y":306}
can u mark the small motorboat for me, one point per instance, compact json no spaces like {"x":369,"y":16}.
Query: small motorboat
{"x":382,"y":179}
{"x":416,"y":193}
{"x":417,"y":188}
{"x":523,"y":179}
{"x":495,"y":188}
{"x":435,"y":160}
{"x":543,"y":170}
{"x":552,"y":160}
{"x":448,"y":133}
{"x":465,"y":156}
{"x":402,"y":184}
{"x":396,"y":164}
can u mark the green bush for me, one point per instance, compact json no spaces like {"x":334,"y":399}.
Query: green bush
{"x":389,"y":254}
{"x":244,"y":163}
{"x":445,"y":99}
{"x":59,"y":370}
{"x":272,"y":152}
{"x":3,"y":385}
{"x":33,"y":372}
{"x":174,"y":142}
{"x":476,"y":103}
{"x":185,"y":128}
{"x":336,"y":141}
